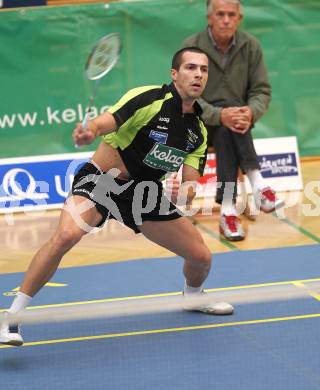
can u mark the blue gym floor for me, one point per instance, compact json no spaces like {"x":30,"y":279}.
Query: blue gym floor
{"x":263,"y":346}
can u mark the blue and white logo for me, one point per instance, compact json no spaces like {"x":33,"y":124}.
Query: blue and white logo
{"x":189,"y":147}
{"x":159,"y":136}
{"x":278,"y":165}
{"x":29,"y":184}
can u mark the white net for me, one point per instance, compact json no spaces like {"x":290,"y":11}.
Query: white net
{"x":171,"y":302}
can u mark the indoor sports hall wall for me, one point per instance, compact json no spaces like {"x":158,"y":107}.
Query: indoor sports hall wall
{"x":43,"y":51}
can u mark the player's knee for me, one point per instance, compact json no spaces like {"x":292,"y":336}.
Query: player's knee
{"x":67,"y":237}
{"x":202,"y":258}
{"x":206,"y":259}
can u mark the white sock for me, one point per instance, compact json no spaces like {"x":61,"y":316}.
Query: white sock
{"x":228,"y":208}
{"x":256,"y":179}
{"x":21,"y":301}
{"x":192,"y":290}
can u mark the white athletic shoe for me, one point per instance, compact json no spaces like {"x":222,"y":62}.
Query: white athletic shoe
{"x":230,"y":228}
{"x":214,"y":308}
{"x":267,"y":200}
{"x":10,"y":334}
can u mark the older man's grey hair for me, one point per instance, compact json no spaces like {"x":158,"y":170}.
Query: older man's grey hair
{"x":211,"y":3}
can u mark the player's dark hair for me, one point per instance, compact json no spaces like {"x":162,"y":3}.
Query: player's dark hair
{"x":177,"y":58}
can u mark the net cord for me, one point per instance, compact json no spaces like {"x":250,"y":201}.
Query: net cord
{"x":144,"y":306}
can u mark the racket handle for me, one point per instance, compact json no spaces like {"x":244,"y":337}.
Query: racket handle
{"x":86,"y":120}
{"x":84,"y":124}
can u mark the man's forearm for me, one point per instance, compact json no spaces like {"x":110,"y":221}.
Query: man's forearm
{"x":211,"y":114}
{"x":103,"y":124}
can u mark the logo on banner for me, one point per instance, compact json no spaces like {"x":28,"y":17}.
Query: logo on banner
{"x":18,"y":184}
{"x":43,"y":183}
{"x":278,"y":165}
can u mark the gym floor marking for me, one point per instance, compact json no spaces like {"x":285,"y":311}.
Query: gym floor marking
{"x":312,"y":293}
{"x":298,"y":228}
{"x":168,"y":330}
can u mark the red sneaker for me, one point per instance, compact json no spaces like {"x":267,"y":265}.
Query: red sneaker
{"x":230,"y":228}
{"x":267,"y":200}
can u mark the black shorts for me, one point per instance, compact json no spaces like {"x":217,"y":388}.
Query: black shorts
{"x":130,"y":202}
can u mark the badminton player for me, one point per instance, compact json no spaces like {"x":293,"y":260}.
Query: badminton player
{"x":149,"y":132}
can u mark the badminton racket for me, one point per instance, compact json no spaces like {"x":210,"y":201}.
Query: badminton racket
{"x":101,"y":60}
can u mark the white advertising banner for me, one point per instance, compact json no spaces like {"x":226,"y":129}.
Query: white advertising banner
{"x":43,"y":182}
{"x":279,"y":165}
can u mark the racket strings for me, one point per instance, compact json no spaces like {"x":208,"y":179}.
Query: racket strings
{"x":103,"y":57}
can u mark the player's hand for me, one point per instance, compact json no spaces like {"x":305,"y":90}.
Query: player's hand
{"x":83,"y":136}
{"x":172,"y":187}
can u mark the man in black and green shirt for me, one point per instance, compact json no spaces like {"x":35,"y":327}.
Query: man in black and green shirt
{"x":151,"y":131}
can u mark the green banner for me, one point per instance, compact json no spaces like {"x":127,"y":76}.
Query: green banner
{"x":43,"y":52}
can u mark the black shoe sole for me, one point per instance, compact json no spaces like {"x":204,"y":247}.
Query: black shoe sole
{"x":13,"y":343}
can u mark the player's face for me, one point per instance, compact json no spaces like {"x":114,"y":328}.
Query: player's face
{"x":224,"y":20}
{"x":191,"y":78}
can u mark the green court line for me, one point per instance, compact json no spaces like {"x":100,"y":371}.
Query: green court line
{"x":298,"y":228}
{"x":217,"y":236}
{"x":233,"y":247}
{"x":168,"y":330}
{"x":174,"y":293}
